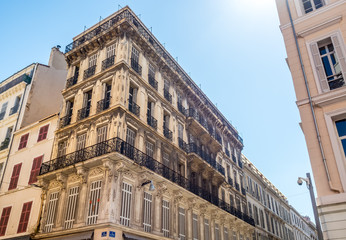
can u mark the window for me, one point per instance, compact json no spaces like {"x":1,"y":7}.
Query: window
{"x":148,"y":199}
{"x":92,"y":60}
{"x":62,"y":148}
{"x":195,"y":226}
{"x":235,"y":236}
{"x":133,"y":107}
{"x":5,"y":215}
{"x":3,"y":110}
{"x":71,"y":207}
{"x":126,"y":204}
{"x":130,"y":137}
{"x":217,"y":232}
{"x":110,"y":52}
{"x":51,"y":207}
{"x":24,"y":217}
{"x":311,"y":5}
{"x":206,"y":229}
{"x":15,"y":176}
{"x":165,"y":218}
{"x":23,"y":141}
{"x":81,"y":141}
{"x":329,"y":62}
{"x":341,"y":128}
{"x":150,"y":149}
{"x":85,"y":111}
{"x":135,"y":61}
{"x":94,"y":202}
{"x":43,"y":133}
{"x":181,"y":224}
{"x":107,"y":95}
{"x":225,"y":233}
{"x":35,"y":169}
{"x":250,"y":209}
{"x":101,"y":134}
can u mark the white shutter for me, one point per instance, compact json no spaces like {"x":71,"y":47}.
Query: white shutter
{"x":71,"y":207}
{"x":319,"y":67}
{"x":217,"y":232}
{"x":126,"y":204}
{"x":130,"y":137}
{"x":51,"y":209}
{"x":102,"y":134}
{"x":94,"y":202}
{"x":339,"y":54}
{"x":150,"y":149}
{"x":111,"y":50}
{"x":206,"y":229}
{"x":92,"y":60}
{"x":225,"y":233}
{"x":81,"y":141}
{"x":165,"y":218}
{"x":181,"y":224}
{"x":148,"y":199}
{"x":195,"y":226}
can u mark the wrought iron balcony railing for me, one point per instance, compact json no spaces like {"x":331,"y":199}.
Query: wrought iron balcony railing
{"x":335,"y":81}
{"x":72,"y":81}
{"x":83,"y":113}
{"x":234,"y":158}
{"x":5,"y":144}
{"x":181,"y":108}
{"x":120,"y":146}
{"x":108,"y":62}
{"x":237,"y":186}
{"x":220,"y":168}
{"x":193,"y":148}
{"x":102,"y":105}
{"x":135,"y":66}
{"x":167,"y":133}
{"x":167,"y":95}
{"x":134,"y":108}
{"x":152,"y":81}
{"x":2,"y":115}
{"x":230,"y":181}
{"x":89,"y":72}
{"x":182,"y":144}
{"x":64,"y":121}
{"x":14,"y":109}
{"x":243,"y":191}
{"x":152,"y":122}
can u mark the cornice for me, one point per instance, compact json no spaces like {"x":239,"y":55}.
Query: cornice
{"x":327,"y":98}
{"x":13,"y":91}
{"x":320,"y":26}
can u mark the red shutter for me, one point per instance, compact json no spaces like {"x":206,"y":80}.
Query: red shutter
{"x":15,"y":176}
{"x":23,"y":141}
{"x":43,"y":133}
{"x":4,"y":220}
{"x":24,"y":217}
{"x":36,"y":165}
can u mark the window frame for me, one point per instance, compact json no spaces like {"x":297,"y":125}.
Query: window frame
{"x":5,"y":216}
{"x":23,"y":142}
{"x":15,"y":176}
{"x":24,"y":217}
{"x":35,"y":169}
{"x":42,"y":135}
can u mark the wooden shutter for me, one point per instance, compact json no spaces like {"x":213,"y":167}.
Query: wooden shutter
{"x":24,"y":217}
{"x":51,"y":207}
{"x":339,"y":54}
{"x":5,"y":215}
{"x":23,"y":141}
{"x":102,"y":134}
{"x":35,"y":170}
{"x":15,"y":176}
{"x":43,"y":133}
{"x":319,"y":67}
{"x":148,"y":199}
{"x":94,"y":202}
{"x":71,"y":207}
{"x":165,"y":218}
{"x":126,"y":204}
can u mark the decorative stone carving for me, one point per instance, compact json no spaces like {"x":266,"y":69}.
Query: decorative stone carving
{"x":82,"y":174}
{"x":61,"y":178}
{"x":96,"y":171}
{"x":178,"y":196}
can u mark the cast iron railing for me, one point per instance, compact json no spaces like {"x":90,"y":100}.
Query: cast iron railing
{"x":237,"y":186}
{"x":152,"y":122}
{"x":134,"y":108}
{"x":181,"y":108}
{"x":72,"y":81}
{"x":128,"y":16}
{"x":182,"y":144}
{"x":102,"y":105}
{"x":140,"y":158}
{"x":167,"y":133}
{"x":167,"y":95}
{"x":243,"y":191}
{"x":89,"y":72}
{"x":83,"y":113}
{"x":135,"y":66}
{"x":64,"y":121}
{"x":230,"y":181}
{"x":335,"y":81}
{"x":108,"y":62}
{"x":220,"y":168}
{"x":152,"y":81}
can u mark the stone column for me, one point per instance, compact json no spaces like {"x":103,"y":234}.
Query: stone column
{"x":82,"y":199}
{"x":212,"y":228}
{"x":61,"y":178}
{"x":107,"y":192}
{"x":118,"y":191}
{"x":201,"y":226}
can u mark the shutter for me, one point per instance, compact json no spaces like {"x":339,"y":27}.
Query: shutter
{"x":206,"y":229}
{"x":225,"y":234}
{"x":126,"y":204}
{"x":339,"y":54}
{"x":165,"y":218}
{"x":147,"y":211}
{"x":36,"y":165}
{"x":181,"y":224}
{"x":135,"y":90}
{"x":5,"y":215}
{"x":217,"y":232}
{"x":15,"y":176}
{"x":53,"y":199}
{"x":94,"y":202}
{"x":195,"y":227}
{"x":24,"y":217}
{"x":71,"y":207}
{"x":319,"y":67}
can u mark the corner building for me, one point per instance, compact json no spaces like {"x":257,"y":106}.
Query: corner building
{"x":316,"y":54}
{"x":133,"y":119}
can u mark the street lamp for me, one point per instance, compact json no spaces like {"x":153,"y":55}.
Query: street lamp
{"x":308,"y":182}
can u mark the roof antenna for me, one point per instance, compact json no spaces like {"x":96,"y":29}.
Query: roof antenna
{"x":119,"y":7}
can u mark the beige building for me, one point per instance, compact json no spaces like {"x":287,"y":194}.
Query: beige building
{"x":141,"y":152}
{"x":20,"y":198}
{"x":316,"y":54}
{"x":274,"y":217}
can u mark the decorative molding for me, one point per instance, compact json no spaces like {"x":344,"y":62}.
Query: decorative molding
{"x":319,"y":27}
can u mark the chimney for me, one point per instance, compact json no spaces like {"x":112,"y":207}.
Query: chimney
{"x":57,"y":59}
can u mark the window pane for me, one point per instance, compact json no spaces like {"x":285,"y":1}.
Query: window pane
{"x":318,"y":3}
{"x":341,"y":127}
{"x":343,"y":142}
{"x":327,"y":67}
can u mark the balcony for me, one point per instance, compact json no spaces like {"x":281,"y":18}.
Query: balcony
{"x":181,"y":108}
{"x":167,"y":133}
{"x":83,"y":113}
{"x":237,"y":186}
{"x":220,"y":168}
{"x":72,"y":81}
{"x":108,"y":62}
{"x":2,"y":115}
{"x":134,"y":108}
{"x":5,"y":144}
{"x":182,"y":144}
{"x":167,"y":95}
{"x":135,"y":66}
{"x":89,"y":72}
{"x":102,"y":105}
{"x":152,"y":81}
{"x":230,"y":181}
{"x":152,"y":122}
{"x":64,"y":121}
{"x":117,"y":145}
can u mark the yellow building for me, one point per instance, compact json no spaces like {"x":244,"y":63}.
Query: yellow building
{"x":314,"y":34}
{"x":141,"y":152}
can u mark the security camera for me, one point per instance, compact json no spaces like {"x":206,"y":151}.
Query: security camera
{"x":300,"y":181}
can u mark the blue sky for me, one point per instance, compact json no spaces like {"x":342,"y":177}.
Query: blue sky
{"x":233,"y":49}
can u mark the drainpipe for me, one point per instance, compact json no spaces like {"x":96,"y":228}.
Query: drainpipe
{"x":15,"y":127}
{"x":310,"y":102}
